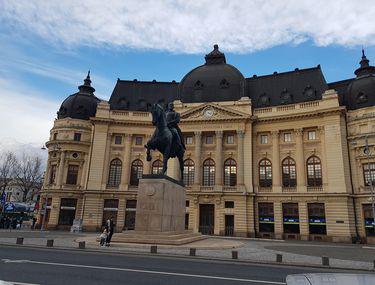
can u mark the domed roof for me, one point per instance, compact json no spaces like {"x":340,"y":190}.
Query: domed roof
{"x":81,"y":105}
{"x":361,"y":91}
{"x":212,"y":82}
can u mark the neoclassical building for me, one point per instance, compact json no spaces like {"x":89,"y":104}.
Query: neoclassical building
{"x":274,"y":156}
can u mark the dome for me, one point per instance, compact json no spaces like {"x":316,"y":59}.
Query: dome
{"x":361,"y":91}
{"x":81,"y":105}
{"x":212,"y":82}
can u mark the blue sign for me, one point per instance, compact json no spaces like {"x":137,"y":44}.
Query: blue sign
{"x":266,"y":220}
{"x":9,"y":207}
{"x":369,"y":223}
{"x":291,"y":220}
{"x":317,"y":221}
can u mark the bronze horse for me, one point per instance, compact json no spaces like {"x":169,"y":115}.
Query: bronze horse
{"x":164,"y":141}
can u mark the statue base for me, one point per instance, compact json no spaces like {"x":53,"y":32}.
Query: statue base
{"x":160,"y":215}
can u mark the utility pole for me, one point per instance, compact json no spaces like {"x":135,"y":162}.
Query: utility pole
{"x":372,"y":181}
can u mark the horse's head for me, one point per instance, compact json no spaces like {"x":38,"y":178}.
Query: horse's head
{"x":157,"y":114}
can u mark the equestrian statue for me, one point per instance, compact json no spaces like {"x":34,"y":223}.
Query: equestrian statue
{"x":167,"y":137}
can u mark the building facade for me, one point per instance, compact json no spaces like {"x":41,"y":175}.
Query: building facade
{"x":275,"y":156}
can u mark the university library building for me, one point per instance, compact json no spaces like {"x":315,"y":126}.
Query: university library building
{"x":276,"y":156}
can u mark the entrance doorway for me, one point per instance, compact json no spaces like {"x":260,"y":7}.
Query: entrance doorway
{"x":229,"y":225}
{"x":206,"y":219}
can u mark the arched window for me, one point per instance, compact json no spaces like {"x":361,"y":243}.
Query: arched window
{"x":208,"y":172}
{"x":230,"y":172}
{"x":189,"y":172}
{"x":265,"y":173}
{"x":289,"y":172}
{"x":314,"y":171}
{"x":157,"y":167}
{"x":136,"y":172}
{"x":114,"y":176}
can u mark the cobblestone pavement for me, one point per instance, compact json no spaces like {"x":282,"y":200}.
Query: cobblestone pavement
{"x":298,"y":252}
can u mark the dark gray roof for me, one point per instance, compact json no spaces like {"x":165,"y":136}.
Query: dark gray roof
{"x":81,"y":105}
{"x":290,"y":87}
{"x":139,"y":95}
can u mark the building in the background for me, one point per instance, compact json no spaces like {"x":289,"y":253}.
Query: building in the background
{"x":278,"y":156}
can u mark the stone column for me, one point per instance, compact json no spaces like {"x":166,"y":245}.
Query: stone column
{"x":219,"y":159}
{"x":61,"y":170}
{"x":125,"y":175}
{"x":106,"y":161}
{"x":240,"y":157}
{"x":278,"y":217}
{"x":197,"y":161}
{"x":276,"y":162}
{"x":300,"y":161}
{"x":323,"y":158}
{"x":303,"y":220}
{"x":84,"y":170}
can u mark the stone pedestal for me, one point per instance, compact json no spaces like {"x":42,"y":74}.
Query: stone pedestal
{"x":160,"y":215}
{"x":160,"y":205}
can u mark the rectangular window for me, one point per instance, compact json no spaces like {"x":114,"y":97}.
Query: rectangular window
{"x":77,"y":137}
{"x":188,"y":140}
{"x":186,"y":221}
{"x":369,"y":220}
{"x":110,"y":210}
{"x":55,"y":136}
{"x":209,"y":139}
{"x":118,"y":139}
{"x":52,"y":175}
{"x":230,"y":139}
{"x":138,"y":140}
{"x":266,"y":217}
{"x":369,"y":173}
{"x":311,"y":135}
{"x":229,"y":204}
{"x":264,"y":139}
{"x":229,"y":225}
{"x":287,"y":137}
{"x":187,"y":203}
{"x":317,"y":218}
{"x":130,"y":211}
{"x":291,"y":218}
{"x":72,"y":176}
{"x":67,"y":211}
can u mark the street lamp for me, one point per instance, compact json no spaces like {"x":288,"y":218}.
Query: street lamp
{"x":55,"y":147}
{"x":372,"y":181}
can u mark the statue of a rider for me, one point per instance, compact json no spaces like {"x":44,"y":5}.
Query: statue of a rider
{"x":173,"y":118}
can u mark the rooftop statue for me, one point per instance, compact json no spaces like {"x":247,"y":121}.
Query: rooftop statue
{"x":167,"y":137}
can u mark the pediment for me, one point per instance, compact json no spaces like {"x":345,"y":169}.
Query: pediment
{"x":212,"y":112}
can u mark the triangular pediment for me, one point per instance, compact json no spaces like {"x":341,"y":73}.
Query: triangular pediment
{"x":211,"y":111}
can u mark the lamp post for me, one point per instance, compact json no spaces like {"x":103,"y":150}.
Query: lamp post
{"x":372,"y":181}
{"x":56,"y":147}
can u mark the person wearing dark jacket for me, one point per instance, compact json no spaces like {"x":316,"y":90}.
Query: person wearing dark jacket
{"x":110,"y":226}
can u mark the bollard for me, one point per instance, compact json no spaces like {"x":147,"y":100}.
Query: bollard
{"x":82,"y":245}
{"x":192,"y":251}
{"x":49,"y":242}
{"x":279,"y":257}
{"x":19,"y":240}
{"x":234,"y":254}
{"x":154,"y":249}
{"x":325,"y":260}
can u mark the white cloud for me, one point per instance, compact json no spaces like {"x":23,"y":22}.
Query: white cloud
{"x":26,"y":116}
{"x":185,"y":26}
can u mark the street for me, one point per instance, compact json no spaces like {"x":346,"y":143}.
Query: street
{"x":55,"y":267}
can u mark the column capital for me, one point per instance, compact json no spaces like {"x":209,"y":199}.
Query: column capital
{"x":275,"y":134}
{"x":128,"y":137}
{"x":321,"y":129}
{"x":241,"y":133}
{"x":198,"y":133}
{"x":219,"y":134}
{"x":298,"y":132}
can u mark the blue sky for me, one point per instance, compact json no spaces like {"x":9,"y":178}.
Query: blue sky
{"x":47,"y":47}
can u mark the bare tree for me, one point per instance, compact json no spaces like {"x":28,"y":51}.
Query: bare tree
{"x":29,"y":176}
{"x":8,"y":162}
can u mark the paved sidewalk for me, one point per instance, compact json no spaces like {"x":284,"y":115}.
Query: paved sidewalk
{"x":294,"y":252}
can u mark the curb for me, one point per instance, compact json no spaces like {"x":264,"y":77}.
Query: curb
{"x":206,"y":258}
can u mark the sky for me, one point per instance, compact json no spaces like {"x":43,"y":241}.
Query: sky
{"x":47,"y":47}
